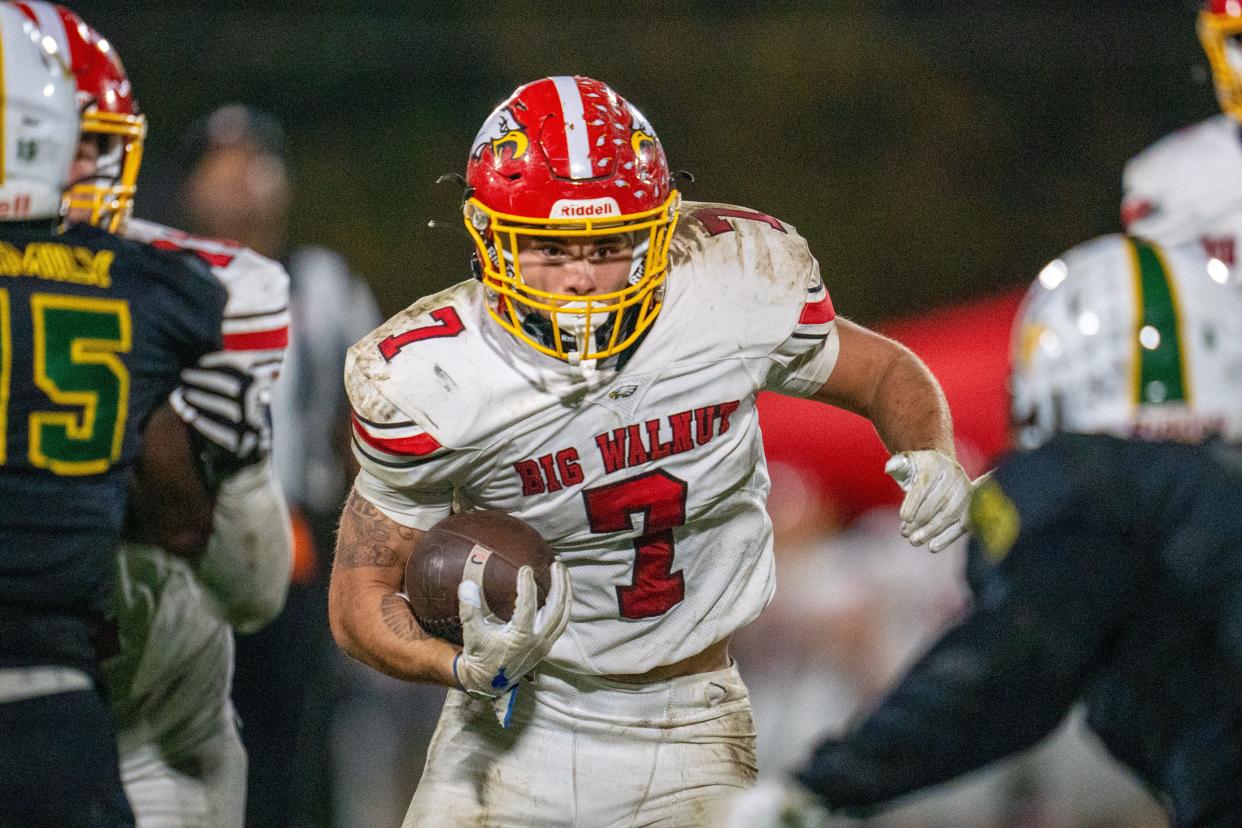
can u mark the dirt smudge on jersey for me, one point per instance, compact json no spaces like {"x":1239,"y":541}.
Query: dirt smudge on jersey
{"x":446,"y":382}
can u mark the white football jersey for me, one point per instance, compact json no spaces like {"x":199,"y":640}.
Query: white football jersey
{"x":1121,"y":336}
{"x":1188,"y":187}
{"x":173,"y":675}
{"x":256,"y":314}
{"x":649,"y":481}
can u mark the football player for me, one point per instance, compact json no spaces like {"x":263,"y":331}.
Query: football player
{"x":182,"y":759}
{"x":1112,"y":554}
{"x":94,"y":332}
{"x":598,"y":380}
{"x":1183,"y":188}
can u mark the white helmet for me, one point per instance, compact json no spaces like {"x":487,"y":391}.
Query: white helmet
{"x":39,"y":130}
{"x":1120,"y":336}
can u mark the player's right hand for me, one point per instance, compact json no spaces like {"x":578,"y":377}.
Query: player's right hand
{"x":494,"y":655}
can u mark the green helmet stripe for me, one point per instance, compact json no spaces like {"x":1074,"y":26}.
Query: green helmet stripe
{"x":1160,"y":355}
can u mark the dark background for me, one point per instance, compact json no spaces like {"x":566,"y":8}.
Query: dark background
{"x":929,"y":151}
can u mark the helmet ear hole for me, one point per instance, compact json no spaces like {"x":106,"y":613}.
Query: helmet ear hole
{"x":514,"y":176}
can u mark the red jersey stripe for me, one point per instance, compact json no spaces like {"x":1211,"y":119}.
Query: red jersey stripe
{"x":817,"y":313}
{"x":257,"y":340}
{"x":418,"y":445}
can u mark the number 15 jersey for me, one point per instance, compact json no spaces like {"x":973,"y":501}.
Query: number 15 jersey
{"x":648,"y":481}
{"x":94,"y":332}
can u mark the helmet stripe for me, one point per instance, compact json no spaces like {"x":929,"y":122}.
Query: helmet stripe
{"x":52,"y":25}
{"x":1160,"y":354}
{"x":576,"y":138}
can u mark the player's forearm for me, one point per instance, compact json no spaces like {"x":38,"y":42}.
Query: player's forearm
{"x":885,"y":382}
{"x":245,"y":568}
{"x":374,"y":625}
{"x":909,"y":410}
{"x":169,"y":504}
{"x":369,"y":620}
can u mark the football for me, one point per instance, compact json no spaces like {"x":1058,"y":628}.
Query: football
{"x":488,"y":547}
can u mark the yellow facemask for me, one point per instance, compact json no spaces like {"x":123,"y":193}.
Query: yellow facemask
{"x":583,"y":328}
{"x":110,"y":203}
{"x":1215,"y":31}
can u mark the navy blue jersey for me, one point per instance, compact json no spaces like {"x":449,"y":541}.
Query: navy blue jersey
{"x":1112,"y":576}
{"x":94,"y":331}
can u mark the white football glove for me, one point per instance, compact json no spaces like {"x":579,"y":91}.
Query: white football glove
{"x":772,"y":804}
{"x":937,"y":497}
{"x":496,"y":655}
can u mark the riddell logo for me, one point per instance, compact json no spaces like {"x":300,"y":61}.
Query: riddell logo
{"x":18,"y":207}
{"x":585,"y":208}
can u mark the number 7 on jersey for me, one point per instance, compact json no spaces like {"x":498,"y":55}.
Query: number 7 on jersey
{"x":660,"y":500}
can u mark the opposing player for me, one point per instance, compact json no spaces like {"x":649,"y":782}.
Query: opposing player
{"x":598,"y":380}
{"x":94,"y":332}
{"x":182,"y":759}
{"x":1183,"y":188}
{"x":1115,"y":574}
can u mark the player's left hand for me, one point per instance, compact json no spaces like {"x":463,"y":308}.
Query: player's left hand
{"x":772,"y":804}
{"x":228,"y":403}
{"x":937,"y":497}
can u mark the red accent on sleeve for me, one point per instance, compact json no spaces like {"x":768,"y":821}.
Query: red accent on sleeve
{"x":257,"y":340}
{"x":817,"y":313}
{"x":417,"y":445}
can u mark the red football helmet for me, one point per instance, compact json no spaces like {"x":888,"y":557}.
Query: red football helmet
{"x":567,"y":156}
{"x":108,"y":110}
{"x":1220,"y":25}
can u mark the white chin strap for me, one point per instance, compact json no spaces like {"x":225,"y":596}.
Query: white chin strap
{"x":575,"y":324}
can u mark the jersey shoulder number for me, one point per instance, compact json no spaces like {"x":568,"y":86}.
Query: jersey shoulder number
{"x":762,"y":273}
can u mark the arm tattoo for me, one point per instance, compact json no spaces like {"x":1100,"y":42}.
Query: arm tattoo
{"x":399,"y":618}
{"x":367,"y":537}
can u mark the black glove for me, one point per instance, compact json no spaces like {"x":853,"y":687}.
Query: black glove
{"x":229,"y":409}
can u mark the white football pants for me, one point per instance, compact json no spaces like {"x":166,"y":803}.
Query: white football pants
{"x":203,"y":787}
{"x":584,"y":752}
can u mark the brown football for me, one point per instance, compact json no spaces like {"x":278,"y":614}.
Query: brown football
{"x":488,"y":547}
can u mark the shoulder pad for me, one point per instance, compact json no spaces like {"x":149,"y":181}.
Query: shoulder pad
{"x":256,"y":314}
{"x":760,"y":272}
{"x":170,"y":264}
{"x":429,"y":364}
{"x":1030,"y":490}
{"x":215,"y":252}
